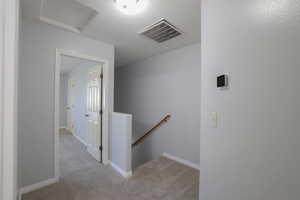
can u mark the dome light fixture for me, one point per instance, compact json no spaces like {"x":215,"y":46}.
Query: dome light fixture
{"x":131,"y":7}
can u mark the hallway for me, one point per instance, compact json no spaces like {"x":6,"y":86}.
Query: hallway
{"x":82,"y":178}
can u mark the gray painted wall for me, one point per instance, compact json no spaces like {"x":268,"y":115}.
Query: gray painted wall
{"x":36,"y":94}
{"x":79,"y":76}
{"x":161,"y":85}
{"x":63,"y":102}
{"x":254,"y":152}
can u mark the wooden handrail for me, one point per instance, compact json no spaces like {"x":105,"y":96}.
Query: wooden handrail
{"x":164,"y":120}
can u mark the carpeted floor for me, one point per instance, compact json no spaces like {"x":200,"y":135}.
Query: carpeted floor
{"x":82,"y":178}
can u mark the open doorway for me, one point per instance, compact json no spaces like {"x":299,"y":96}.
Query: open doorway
{"x":81,"y":118}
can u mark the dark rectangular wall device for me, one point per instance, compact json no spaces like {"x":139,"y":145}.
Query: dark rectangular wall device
{"x":222,"y":81}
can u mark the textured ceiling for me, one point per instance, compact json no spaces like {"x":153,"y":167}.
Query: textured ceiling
{"x":112,"y":26}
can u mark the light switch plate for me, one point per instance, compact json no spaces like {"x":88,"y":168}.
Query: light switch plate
{"x":214,"y":119}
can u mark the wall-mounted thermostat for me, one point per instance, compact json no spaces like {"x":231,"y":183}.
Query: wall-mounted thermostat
{"x":222,"y":81}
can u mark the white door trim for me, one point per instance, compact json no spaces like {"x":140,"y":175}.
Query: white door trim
{"x":9,"y":24}
{"x":105,"y":106}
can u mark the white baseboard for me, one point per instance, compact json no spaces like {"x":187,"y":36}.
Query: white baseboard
{"x":119,"y":170}
{"x":182,"y":161}
{"x":80,"y":140}
{"x":36,"y":186}
{"x":77,"y":137}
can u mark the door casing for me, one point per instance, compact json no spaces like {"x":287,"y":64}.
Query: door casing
{"x":9,"y":36}
{"x":105,"y":107}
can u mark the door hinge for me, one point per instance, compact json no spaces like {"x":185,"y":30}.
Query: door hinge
{"x":101,"y":76}
{"x":101,"y":112}
{"x":100,"y":148}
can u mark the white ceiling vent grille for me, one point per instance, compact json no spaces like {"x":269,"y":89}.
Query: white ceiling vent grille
{"x":161,"y":31}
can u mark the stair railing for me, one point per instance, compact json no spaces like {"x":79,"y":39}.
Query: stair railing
{"x":164,"y":120}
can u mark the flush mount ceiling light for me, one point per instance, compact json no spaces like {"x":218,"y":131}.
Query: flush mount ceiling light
{"x":131,"y":7}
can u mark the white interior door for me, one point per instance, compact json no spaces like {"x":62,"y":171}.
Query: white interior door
{"x":94,"y":102}
{"x":70,"y":107}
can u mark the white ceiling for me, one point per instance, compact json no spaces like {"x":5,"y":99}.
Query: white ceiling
{"x":112,"y":26}
{"x":77,"y":14}
{"x":68,"y":63}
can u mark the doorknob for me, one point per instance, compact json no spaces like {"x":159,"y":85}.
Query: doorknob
{"x":87,"y":115}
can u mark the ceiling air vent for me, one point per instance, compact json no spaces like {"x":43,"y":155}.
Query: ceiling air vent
{"x":161,"y":31}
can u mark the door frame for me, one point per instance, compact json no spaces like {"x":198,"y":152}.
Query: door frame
{"x":105,"y":106}
{"x":9,"y":40}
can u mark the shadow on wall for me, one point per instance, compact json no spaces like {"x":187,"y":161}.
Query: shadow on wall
{"x":144,"y":151}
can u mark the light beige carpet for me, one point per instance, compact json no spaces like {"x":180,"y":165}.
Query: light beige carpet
{"x":82,"y":178}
